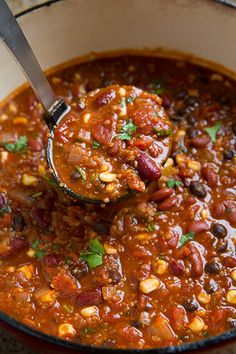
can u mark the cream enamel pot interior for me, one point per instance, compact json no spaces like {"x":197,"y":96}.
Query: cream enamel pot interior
{"x":70,"y":28}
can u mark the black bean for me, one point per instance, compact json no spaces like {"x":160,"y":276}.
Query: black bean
{"x":102,"y":227}
{"x":181,"y":94}
{"x":191,"y":133}
{"x":198,"y":189}
{"x":221,"y":246}
{"x":136,"y":324}
{"x":191,"y":101}
{"x":211,"y":286}
{"x":18,"y":222}
{"x":191,"y":120}
{"x":80,"y":270}
{"x":228,"y":155}
{"x":177,"y":118}
{"x":213,"y":267}
{"x":3,"y":200}
{"x":115,"y":276}
{"x":75,"y":176}
{"x":219,"y":230}
{"x":190,"y":305}
{"x":234,"y":128}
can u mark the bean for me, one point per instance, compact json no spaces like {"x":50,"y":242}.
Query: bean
{"x":218,"y":210}
{"x":191,"y":120}
{"x":162,"y":194}
{"x":190,"y":305}
{"x":228,"y":155}
{"x":198,"y":226}
{"x":192,"y":133}
{"x":147,"y":167}
{"x":211,"y":286}
{"x":3,"y":200}
{"x":198,"y":189}
{"x":177,"y":267}
{"x":200,"y":141}
{"x":41,"y":217}
{"x":102,"y":227}
{"x":234,"y":128}
{"x":18,"y":222}
{"x":51,"y":260}
{"x":169,"y":203}
{"x":221,"y":246}
{"x":104,"y":98}
{"x":213,"y":267}
{"x":34,"y":145}
{"x":80,"y":270}
{"x":219,"y":230}
{"x":75,"y":176}
{"x":229,"y":262}
{"x":210,"y":176}
{"x":90,"y":297}
{"x":231,"y":216}
{"x":115,"y":276}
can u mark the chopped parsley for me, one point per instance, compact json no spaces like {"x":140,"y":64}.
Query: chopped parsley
{"x":126,"y":131}
{"x":36,"y":195}
{"x":94,"y":255}
{"x":151,"y":227}
{"x":163,"y":132}
{"x":129,"y":99}
{"x":172,"y":183}
{"x":87,"y":330}
{"x":5,"y":210}
{"x":187,"y":237}
{"x":39,"y":253}
{"x":20,"y":145}
{"x":212,"y":131}
{"x":50,"y":181}
{"x":81,"y":172}
{"x":95,"y":144}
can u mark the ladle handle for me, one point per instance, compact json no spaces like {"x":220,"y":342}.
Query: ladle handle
{"x":14,"y":38}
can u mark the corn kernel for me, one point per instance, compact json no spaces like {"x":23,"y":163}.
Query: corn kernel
{"x":181,"y":159}
{"x":66,"y":330}
{"x":56,"y":80}
{"x":180,"y":134}
{"x":107,"y":177}
{"x":42,"y":170}
{"x":197,"y":324}
{"x":161,"y":266}
{"x":109,"y":249}
{"x":30,"y":252}
{"x":104,"y":167}
{"x":216,"y":77}
{"x":4,"y":156}
{"x":205,"y":213}
{"x":29,"y":180}
{"x":231,"y":297}
{"x":194,"y":165}
{"x":11,"y":269}
{"x":86,"y":117}
{"x":20,"y":121}
{"x":150,"y":284}
{"x":89,"y":311}
{"x":233,"y":274}
{"x":122,"y":91}
{"x":110,"y":188}
{"x":3,"y":117}
{"x":12,"y":108}
{"x":204,"y":298}
{"x":47,"y":297}
{"x":142,"y":237}
{"x":27,"y":270}
{"x":169,"y":162}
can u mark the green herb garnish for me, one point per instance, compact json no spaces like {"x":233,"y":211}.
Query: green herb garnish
{"x":68,"y":261}
{"x":81,"y":172}
{"x":36,"y":195}
{"x":151,"y":227}
{"x":126,"y":131}
{"x":158,"y":86}
{"x":94,"y":256}
{"x":50,"y":181}
{"x":163,"y":132}
{"x":39,"y":253}
{"x":95,"y":144}
{"x":187,"y":237}
{"x":129,"y":99}
{"x":19,"y":145}
{"x":5,"y":210}
{"x":212,"y":131}
{"x":172,"y":183}
{"x":67,"y":308}
{"x":87,"y":330}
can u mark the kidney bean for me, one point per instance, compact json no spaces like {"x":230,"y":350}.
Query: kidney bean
{"x":34,"y":144}
{"x":190,"y":200}
{"x":190,"y":305}
{"x":147,"y":167}
{"x":115,"y":276}
{"x":13,"y":246}
{"x":231,"y":216}
{"x":162,"y":194}
{"x":219,"y":230}
{"x":213,"y":267}
{"x":75,"y":176}
{"x":18,"y":222}
{"x":104,"y":98}
{"x":80,"y":270}
{"x":90,"y":297}
{"x":200,"y":141}
{"x":198,"y":189}
{"x":210,"y":176}
{"x":218,"y":210}
{"x":178,"y":318}
{"x":51,"y":260}
{"x":41,"y":217}
{"x":196,"y":260}
{"x":211,"y":286}
{"x":177,"y":267}
{"x":229,"y":262}
{"x":3,"y":200}
{"x":169,"y":203}
{"x":198,"y":226}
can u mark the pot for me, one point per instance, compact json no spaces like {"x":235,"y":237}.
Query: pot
{"x":61,"y":30}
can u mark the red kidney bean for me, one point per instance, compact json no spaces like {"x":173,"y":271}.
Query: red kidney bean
{"x":178,"y":318}
{"x":229,"y":262}
{"x":147,"y":167}
{"x":169,"y":203}
{"x":177,"y":267}
{"x":104,"y":98}
{"x":13,"y":247}
{"x":166,"y":101}
{"x":218,"y":210}
{"x":196,"y":260}
{"x":231,"y":216}
{"x":200,"y":141}
{"x":51,"y":260}
{"x":90,"y":297}
{"x":162,"y":194}
{"x":210,"y":176}
{"x":34,"y":145}
{"x":41,"y":217}
{"x":190,"y":200}
{"x":198,"y":226}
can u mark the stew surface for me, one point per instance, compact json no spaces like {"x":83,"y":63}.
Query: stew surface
{"x":158,"y":269}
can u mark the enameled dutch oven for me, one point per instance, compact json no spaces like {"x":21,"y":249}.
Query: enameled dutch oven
{"x":61,"y":30}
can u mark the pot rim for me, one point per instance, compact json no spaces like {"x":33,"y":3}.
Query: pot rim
{"x":190,"y":347}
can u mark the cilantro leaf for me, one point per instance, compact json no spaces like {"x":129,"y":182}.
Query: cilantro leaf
{"x":81,"y":172}
{"x":158,"y":86}
{"x":5,"y":210}
{"x":129,"y":99}
{"x":172,"y":183}
{"x":187,"y":237}
{"x":94,"y":256}
{"x":151,"y":227}
{"x":212,"y":131}
{"x":39,"y":253}
{"x":163,"y":132}
{"x":126,"y":131}
{"x":95,"y":144}
{"x":19,"y":145}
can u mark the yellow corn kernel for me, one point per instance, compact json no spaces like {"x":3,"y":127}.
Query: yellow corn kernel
{"x":66,"y":330}
{"x":142,"y":237}
{"x":150,"y":284}
{"x":194,"y":165}
{"x":233,"y":274}
{"x":180,"y":134}
{"x":20,"y":121}
{"x":161,"y":266}
{"x":231,"y":297}
{"x":29,"y":180}
{"x":204,"y":298}
{"x":122,"y":91}
{"x":216,"y":77}
{"x":27,"y":270}
{"x":109,"y":249}
{"x":4,"y":156}
{"x":12,"y":108}
{"x":3,"y":117}
{"x":10,"y":269}
{"x":47,"y":297}
{"x":104,"y":167}
{"x":169,"y":162}
{"x":181,"y":159}
{"x":86,"y":116}
{"x":89,"y":311}
{"x":82,"y":90}
{"x":107,"y":177}
{"x":30,"y":252}
{"x":197,"y":324}
{"x":110,"y":188}
{"x":42,"y":170}
{"x":56,"y":80}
